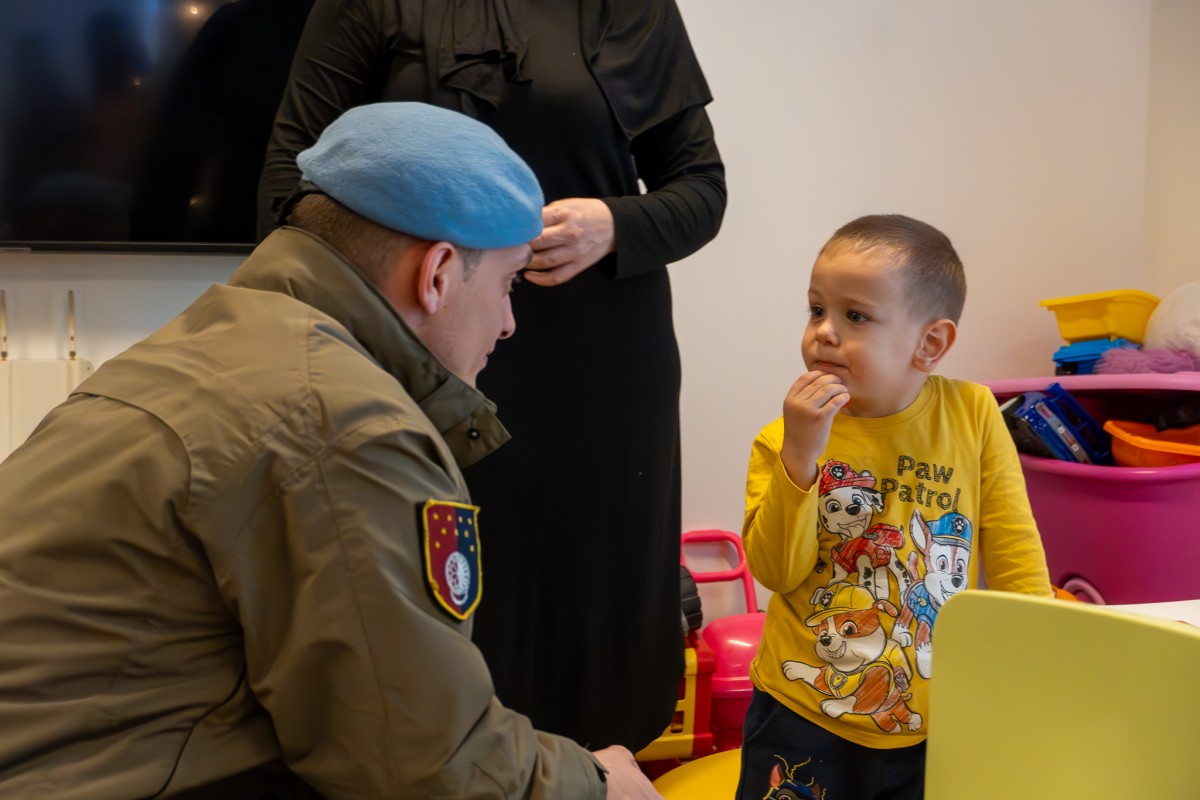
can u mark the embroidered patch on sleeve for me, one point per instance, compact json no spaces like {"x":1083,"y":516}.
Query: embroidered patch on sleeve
{"x":452,"y":567}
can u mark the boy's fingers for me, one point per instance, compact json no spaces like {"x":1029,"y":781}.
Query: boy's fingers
{"x":822,"y":388}
{"x":832,"y":399}
{"x":813,"y":378}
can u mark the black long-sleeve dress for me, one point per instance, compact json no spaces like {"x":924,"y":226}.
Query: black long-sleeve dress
{"x":580,"y":519}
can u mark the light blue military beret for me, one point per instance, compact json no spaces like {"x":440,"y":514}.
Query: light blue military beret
{"x":428,"y":172}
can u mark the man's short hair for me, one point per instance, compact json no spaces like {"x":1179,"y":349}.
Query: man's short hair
{"x":934,"y":276}
{"x":367,"y":245}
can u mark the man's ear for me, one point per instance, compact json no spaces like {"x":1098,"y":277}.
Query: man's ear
{"x":432,"y":277}
{"x":936,"y":341}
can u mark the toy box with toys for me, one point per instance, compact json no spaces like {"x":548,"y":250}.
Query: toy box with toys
{"x":1134,"y":472}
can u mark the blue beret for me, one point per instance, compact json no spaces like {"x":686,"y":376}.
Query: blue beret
{"x":428,"y":172}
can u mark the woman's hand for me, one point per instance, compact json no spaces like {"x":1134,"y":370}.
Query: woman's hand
{"x":576,"y":233}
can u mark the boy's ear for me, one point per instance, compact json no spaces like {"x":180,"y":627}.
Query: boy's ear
{"x":936,"y":341}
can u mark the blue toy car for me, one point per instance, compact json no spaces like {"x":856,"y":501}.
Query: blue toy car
{"x":1052,"y":424}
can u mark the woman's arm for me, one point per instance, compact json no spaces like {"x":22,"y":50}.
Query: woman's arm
{"x":340,"y":62}
{"x":685,"y":200}
{"x":679,"y":163}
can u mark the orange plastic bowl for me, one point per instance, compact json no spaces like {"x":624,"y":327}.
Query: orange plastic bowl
{"x":1136,"y":444}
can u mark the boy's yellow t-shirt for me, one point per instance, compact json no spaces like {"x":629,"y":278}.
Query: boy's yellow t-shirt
{"x":905,"y":510}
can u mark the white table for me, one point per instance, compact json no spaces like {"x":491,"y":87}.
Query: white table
{"x":1180,"y":610}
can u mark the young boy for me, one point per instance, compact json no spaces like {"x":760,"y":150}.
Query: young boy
{"x":869,"y":503}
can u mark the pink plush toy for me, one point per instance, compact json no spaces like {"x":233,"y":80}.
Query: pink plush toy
{"x":1172,"y":340}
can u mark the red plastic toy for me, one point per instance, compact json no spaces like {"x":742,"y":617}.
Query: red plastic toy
{"x":716,"y":688}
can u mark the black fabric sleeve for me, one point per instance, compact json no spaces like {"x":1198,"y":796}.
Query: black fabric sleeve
{"x":685,"y":199}
{"x":340,"y":62}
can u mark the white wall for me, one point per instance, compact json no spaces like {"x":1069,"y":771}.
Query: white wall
{"x":1053,"y":140}
{"x":118,"y":298}
{"x":1019,"y":128}
{"x":1173,"y":152}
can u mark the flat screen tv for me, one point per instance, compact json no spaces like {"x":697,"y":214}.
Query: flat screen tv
{"x":138,"y":125}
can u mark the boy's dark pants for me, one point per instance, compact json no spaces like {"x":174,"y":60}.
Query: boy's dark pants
{"x":814,"y":763}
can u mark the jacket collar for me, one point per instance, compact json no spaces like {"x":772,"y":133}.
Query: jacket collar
{"x":298,"y":264}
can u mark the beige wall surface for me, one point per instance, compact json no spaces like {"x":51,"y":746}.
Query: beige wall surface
{"x":1019,"y":128}
{"x":1173,"y":150}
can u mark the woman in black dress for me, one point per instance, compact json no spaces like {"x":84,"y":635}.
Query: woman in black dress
{"x":580,"y":520}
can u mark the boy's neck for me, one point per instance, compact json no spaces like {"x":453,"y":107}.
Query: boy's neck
{"x":902,"y":401}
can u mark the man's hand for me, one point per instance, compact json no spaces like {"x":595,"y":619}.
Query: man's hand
{"x":808,"y":412}
{"x":626,"y":781}
{"x":576,"y":233}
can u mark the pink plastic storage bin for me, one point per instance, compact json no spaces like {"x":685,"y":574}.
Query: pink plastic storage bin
{"x":1123,"y":534}
{"x":733,"y":641}
{"x":1128,"y":531}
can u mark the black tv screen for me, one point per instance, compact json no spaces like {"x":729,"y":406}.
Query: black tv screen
{"x":138,"y":124}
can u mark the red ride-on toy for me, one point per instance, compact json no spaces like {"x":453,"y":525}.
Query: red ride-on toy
{"x":716,"y":688}
{"x":734,"y":642}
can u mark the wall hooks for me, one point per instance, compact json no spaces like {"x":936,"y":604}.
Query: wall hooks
{"x":71,"y":324}
{"x":31,"y":387}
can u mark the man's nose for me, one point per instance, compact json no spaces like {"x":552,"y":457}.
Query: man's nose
{"x":510,"y":321}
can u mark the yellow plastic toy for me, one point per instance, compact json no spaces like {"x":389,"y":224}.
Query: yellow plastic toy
{"x":1119,"y":314}
{"x":1037,"y":698}
{"x":713,"y":777}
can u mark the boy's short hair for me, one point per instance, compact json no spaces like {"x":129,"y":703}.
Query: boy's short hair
{"x":934,"y":276}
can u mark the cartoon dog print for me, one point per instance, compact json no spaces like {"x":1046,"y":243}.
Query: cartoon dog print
{"x":945,"y":545}
{"x":786,"y":786}
{"x":847,"y":502}
{"x":864,"y":671}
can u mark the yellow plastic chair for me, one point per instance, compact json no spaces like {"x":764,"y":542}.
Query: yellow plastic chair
{"x":1042,"y":699}
{"x":713,"y":777}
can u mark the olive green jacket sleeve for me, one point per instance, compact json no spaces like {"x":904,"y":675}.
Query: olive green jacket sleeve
{"x":373,"y":691}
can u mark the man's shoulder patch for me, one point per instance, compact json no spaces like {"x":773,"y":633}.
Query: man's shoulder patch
{"x":452,"y":566}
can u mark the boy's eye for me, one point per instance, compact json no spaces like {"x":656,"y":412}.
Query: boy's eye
{"x":816,"y":311}
{"x":516,"y":280}
{"x":855,"y":316}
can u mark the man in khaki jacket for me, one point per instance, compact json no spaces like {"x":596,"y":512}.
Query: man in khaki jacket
{"x":241,"y":561}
